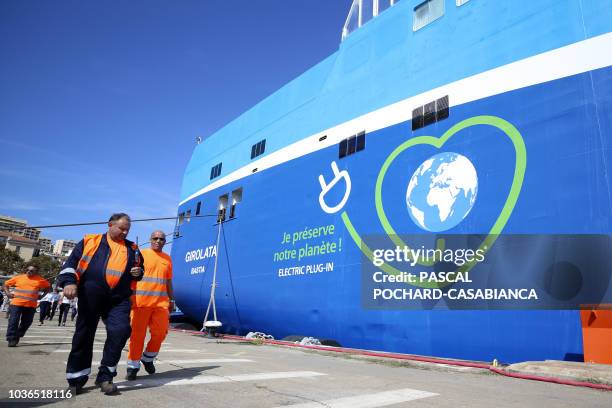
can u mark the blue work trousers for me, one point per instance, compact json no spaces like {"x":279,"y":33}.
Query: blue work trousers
{"x":20,"y":319}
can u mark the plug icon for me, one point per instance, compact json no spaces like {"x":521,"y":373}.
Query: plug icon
{"x":325,"y":188}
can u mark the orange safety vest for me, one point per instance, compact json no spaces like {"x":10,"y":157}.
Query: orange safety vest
{"x":152,"y":290}
{"x":26,"y":289}
{"x":117,"y":261}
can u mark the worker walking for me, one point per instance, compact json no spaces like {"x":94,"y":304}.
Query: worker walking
{"x":44,"y":307}
{"x":24,"y":298}
{"x":151,"y":304}
{"x":64,"y":303}
{"x":54,"y":302}
{"x":102,"y":270}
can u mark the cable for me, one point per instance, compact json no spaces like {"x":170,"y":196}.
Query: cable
{"x":99,"y":223}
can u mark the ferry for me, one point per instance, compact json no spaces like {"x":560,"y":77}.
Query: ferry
{"x":453,"y":117}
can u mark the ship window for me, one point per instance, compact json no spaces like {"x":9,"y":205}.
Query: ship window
{"x":343,"y":145}
{"x":236,"y":198}
{"x":461,"y":2}
{"x":181,"y":218}
{"x":188,"y":216}
{"x":429,"y":113}
{"x":198,"y":208}
{"x":417,"y":118}
{"x":360,"y":141}
{"x":322,"y":138}
{"x":258,"y":148}
{"x":442,"y":108}
{"x":427,"y":12}
{"x":353,"y":144}
{"x":222,"y":208}
{"x":215,"y":171}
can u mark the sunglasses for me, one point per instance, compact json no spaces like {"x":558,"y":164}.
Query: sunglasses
{"x":158,"y":239}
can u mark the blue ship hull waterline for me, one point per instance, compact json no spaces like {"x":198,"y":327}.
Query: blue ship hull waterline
{"x":543,"y":67}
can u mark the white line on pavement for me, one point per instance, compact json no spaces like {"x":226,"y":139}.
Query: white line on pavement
{"x":209,"y":379}
{"x":379,"y":399}
{"x":194,"y":361}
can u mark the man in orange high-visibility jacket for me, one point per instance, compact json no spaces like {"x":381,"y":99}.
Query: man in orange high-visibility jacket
{"x":151,"y":304}
{"x":24,"y":299}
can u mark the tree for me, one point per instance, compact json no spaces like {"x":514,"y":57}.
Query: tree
{"x":48,"y":267}
{"x":10,"y":262}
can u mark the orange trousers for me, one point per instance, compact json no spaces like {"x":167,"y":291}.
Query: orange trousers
{"x":157,"y":319}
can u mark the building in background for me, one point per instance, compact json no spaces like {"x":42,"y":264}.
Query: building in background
{"x":63,"y":247}
{"x":46,"y":246}
{"x":18,"y":227}
{"x":24,"y":247}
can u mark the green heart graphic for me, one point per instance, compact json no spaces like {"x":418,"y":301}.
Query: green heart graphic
{"x":517,"y":182}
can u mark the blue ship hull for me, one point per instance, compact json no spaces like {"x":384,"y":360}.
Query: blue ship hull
{"x":566,"y":126}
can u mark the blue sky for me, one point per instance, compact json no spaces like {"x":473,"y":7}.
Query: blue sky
{"x":100,"y":102}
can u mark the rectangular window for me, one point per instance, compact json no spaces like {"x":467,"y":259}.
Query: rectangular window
{"x":417,"y":118}
{"x":427,"y":12}
{"x":429,"y":113}
{"x":442,"y":108}
{"x":198,"y":208}
{"x":188,"y":216}
{"x":360,"y":141}
{"x":258,"y":148}
{"x":181,"y":218}
{"x":342,"y":146}
{"x":215,"y":171}
{"x":222,"y":208}
{"x":351,"y":145}
{"x":236,"y":198}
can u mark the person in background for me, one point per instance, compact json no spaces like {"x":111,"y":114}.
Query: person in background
{"x":24,"y":298}
{"x":101,"y":270}
{"x":64,"y":303}
{"x":54,"y":303}
{"x":74,"y":308}
{"x":151,"y":307}
{"x":45,"y":307}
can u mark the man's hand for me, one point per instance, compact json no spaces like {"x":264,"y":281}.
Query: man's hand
{"x":11,"y":295}
{"x":70,"y":291}
{"x":171,"y":306}
{"x":136,"y":271}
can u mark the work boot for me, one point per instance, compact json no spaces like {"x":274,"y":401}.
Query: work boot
{"x":107,"y":387}
{"x":13,"y":343}
{"x":149,"y":367}
{"x":131,"y":374}
{"x":75,"y":389}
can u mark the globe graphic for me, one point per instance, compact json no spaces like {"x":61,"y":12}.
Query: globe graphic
{"x":442,"y":191}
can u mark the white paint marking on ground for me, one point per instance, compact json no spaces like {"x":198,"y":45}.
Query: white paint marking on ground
{"x":194,"y":361}
{"x":210,"y":379}
{"x":46,"y":337}
{"x":379,"y":399}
